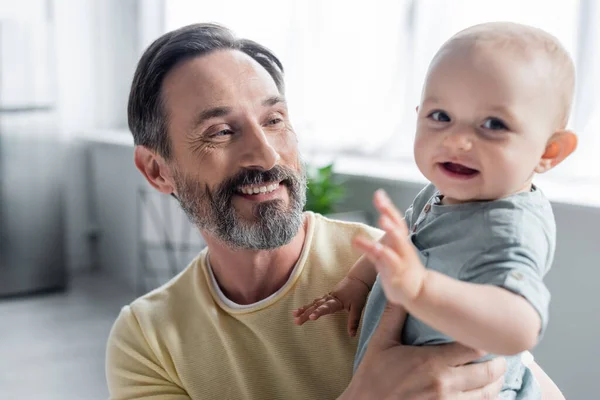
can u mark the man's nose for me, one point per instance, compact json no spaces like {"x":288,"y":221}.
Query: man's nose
{"x":258,"y":150}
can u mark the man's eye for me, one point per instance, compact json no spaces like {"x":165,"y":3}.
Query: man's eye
{"x":439,"y":116}
{"x":275,"y":121}
{"x":494,"y":124}
{"x":223,"y":132}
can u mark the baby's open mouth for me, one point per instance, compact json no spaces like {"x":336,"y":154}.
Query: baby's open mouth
{"x":458,"y":169}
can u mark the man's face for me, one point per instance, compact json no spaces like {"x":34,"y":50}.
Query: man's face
{"x":235,"y":163}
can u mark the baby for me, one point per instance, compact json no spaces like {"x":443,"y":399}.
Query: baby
{"x":467,"y":261}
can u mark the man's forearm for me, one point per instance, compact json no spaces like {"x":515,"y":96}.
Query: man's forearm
{"x":483,"y":317}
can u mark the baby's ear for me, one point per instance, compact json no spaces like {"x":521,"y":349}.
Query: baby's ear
{"x":559,"y":147}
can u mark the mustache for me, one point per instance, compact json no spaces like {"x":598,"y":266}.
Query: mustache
{"x":256,"y":177}
{"x":293,"y":179}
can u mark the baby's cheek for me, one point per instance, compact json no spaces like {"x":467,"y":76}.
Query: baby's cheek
{"x":422,"y":148}
{"x":510,"y":175}
{"x":424,"y":161}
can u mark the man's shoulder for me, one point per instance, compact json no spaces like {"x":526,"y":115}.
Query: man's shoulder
{"x":147,"y":330}
{"x":331,"y":243}
{"x":339,"y":229}
{"x":164,"y":301}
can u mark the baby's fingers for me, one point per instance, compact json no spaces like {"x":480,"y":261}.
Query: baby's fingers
{"x":385,"y":207}
{"x":299,"y":311}
{"x":354,"y":319}
{"x":329,"y":306}
{"x":303,"y":313}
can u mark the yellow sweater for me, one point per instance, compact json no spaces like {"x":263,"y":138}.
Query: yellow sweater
{"x":181,"y":342}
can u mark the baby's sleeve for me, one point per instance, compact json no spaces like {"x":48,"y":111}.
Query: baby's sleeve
{"x":517,"y":263}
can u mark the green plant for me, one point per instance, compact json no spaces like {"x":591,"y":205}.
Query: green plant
{"x":324,"y":190}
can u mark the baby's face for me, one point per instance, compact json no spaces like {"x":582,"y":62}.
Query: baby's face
{"x":483,"y":124}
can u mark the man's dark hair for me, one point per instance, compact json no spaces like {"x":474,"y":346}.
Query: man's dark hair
{"x":146,"y":112}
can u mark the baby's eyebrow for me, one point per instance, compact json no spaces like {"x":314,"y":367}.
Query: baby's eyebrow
{"x":431,"y":99}
{"x":503,"y":110}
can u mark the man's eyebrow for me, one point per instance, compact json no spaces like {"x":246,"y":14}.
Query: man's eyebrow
{"x":214,"y":112}
{"x":217,"y":112}
{"x":273,"y":100}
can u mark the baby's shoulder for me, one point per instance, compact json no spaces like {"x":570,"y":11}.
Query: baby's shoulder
{"x":518,"y":218}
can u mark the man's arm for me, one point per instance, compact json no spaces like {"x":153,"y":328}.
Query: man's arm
{"x":133,"y":371}
{"x":391,"y":370}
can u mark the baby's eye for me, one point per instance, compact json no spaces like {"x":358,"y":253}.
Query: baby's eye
{"x":494,"y":124}
{"x":439,"y":116}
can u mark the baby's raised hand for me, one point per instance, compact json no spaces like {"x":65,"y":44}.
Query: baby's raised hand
{"x":350,"y":295}
{"x":401,"y":272}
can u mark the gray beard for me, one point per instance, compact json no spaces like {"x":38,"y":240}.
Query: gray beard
{"x":274,"y":224}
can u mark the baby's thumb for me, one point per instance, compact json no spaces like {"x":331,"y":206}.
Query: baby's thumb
{"x":354,"y":319}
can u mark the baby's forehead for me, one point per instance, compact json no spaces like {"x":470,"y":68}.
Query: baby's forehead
{"x":510,"y":35}
{"x":480,"y":79}
{"x":527,"y":44}
{"x":514,"y":47}
{"x":499,"y":67}
{"x":513,"y":39}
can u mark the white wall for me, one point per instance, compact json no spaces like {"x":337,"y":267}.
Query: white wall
{"x":76,"y":66}
{"x":97,"y":47}
{"x":96,"y":53}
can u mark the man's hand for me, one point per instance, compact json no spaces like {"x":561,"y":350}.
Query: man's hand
{"x":390,"y":370}
{"x":401,"y":272}
{"x":350,"y":295}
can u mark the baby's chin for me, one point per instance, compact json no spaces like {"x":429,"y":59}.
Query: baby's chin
{"x":465,"y":194}
{"x":458,"y":192}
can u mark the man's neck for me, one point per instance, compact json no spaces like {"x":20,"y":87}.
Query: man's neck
{"x":248,"y":276}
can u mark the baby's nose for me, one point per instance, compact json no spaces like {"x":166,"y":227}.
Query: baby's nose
{"x":458,"y":141}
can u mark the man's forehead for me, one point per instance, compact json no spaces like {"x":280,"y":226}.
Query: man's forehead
{"x":219,"y":75}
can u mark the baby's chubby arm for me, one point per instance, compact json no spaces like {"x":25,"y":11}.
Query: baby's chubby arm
{"x":483,"y":317}
{"x":349,"y":294}
{"x":480,"y":316}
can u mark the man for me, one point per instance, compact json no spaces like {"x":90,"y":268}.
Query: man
{"x":211,"y":127}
